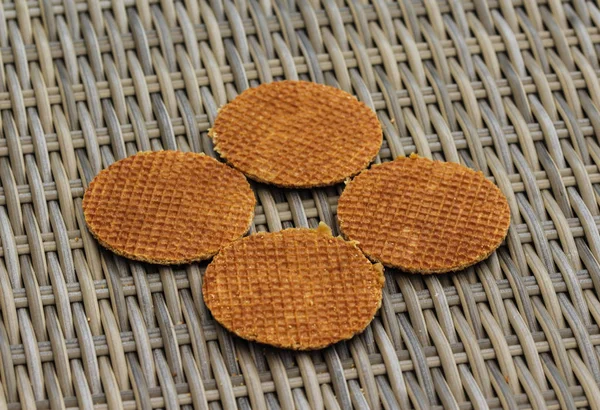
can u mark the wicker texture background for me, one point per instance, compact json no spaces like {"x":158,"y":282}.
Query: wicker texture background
{"x":511,"y":89}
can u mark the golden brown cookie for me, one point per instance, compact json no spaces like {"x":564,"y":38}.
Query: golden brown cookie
{"x":297,"y":134}
{"x":424,"y":216}
{"x":168,"y":207}
{"x":298,"y":288}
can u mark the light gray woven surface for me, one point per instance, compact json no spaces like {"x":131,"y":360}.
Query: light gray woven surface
{"x":511,"y":89}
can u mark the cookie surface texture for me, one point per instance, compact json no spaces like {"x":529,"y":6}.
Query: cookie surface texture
{"x":424,"y":216}
{"x":297,"y":134}
{"x":168,"y":207}
{"x":300,"y":289}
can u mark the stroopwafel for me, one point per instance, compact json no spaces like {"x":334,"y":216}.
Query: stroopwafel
{"x":168,"y":207}
{"x":297,"y":134}
{"x":424,"y":216}
{"x":298,"y":288}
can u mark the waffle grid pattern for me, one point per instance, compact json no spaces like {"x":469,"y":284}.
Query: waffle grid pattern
{"x":508,"y":88}
{"x":168,"y":207}
{"x":424,"y":216}
{"x":298,"y":289}
{"x":297,"y":134}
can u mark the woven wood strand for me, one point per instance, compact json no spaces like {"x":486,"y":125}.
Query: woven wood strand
{"x":507,"y":88}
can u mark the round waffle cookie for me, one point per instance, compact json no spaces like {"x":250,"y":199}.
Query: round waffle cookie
{"x":298,"y":288}
{"x":424,"y":216}
{"x":168,"y":207}
{"x":297,"y":134}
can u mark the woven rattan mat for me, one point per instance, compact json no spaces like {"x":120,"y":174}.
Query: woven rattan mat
{"x":510,"y":89}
